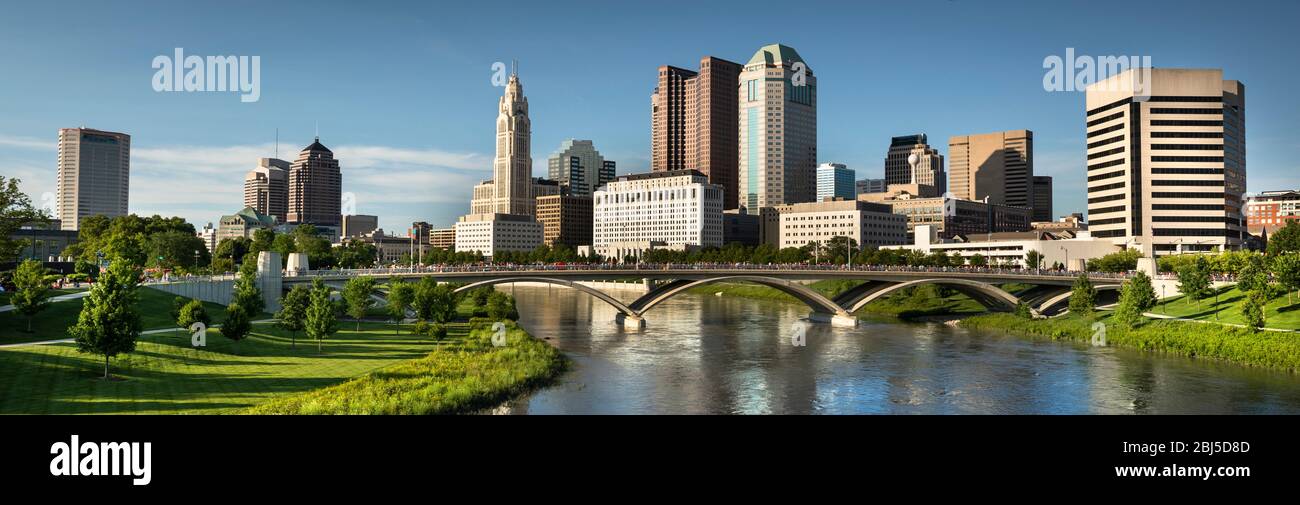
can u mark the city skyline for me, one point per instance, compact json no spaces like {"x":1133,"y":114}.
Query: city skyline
{"x":410,"y":142}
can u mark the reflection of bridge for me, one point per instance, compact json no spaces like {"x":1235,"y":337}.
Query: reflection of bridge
{"x":1046,"y":294}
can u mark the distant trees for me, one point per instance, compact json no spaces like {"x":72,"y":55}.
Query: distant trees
{"x":108,"y":324}
{"x":357,"y":295}
{"x":434,"y":302}
{"x":321,"y":319}
{"x":32,"y":290}
{"x":1083,"y":299}
{"x":1285,"y":240}
{"x":292,"y":316}
{"x":1122,"y":261}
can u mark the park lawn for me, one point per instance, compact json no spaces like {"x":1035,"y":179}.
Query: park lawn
{"x":166,"y":376}
{"x":1278,"y":313}
{"x":7,"y":295}
{"x":52,"y":323}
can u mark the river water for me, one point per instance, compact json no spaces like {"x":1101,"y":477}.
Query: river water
{"x":702,"y":354}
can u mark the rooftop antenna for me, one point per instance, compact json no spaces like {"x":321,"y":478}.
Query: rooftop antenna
{"x":277,"y":143}
{"x":318,"y":130}
{"x":514,"y":67}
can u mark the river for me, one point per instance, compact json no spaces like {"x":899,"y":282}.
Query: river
{"x":702,"y":354}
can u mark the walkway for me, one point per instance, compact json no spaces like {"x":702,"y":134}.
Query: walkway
{"x":60,"y":298}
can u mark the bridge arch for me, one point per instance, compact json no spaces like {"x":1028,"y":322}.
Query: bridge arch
{"x":601,"y":295}
{"x":987,"y":294}
{"x":1051,"y":303}
{"x":810,"y":297}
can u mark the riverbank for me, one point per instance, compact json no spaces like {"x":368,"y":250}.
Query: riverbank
{"x":465,"y":374}
{"x":1239,"y":346}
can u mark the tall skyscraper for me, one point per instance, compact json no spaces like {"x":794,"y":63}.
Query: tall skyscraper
{"x":693,"y":122}
{"x":513,"y":166}
{"x":778,"y":129}
{"x":578,"y":166}
{"x":998,"y":165}
{"x":926,"y":171}
{"x":1042,"y":198}
{"x":1167,"y":159}
{"x":266,"y":188}
{"x":94,"y":175}
{"x":315,"y":187}
{"x":835,"y":180}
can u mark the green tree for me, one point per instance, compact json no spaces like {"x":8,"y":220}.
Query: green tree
{"x":400,"y":295}
{"x":501,"y":306}
{"x":247,"y":293}
{"x":357,"y":294}
{"x":293,"y":313}
{"x":321,"y":319}
{"x":1285,"y":240}
{"x":1286,"y":267}
{"x":1252,"y":309}
{"x":1253,"y":276}
{"x":237,"y":325}
{"x":16,"y":209}
{"x":30,"y":298}
{"x":355,"y":254}
{"x":108,"y":323}
{"x":1194,"y":280}
{"x":1084,"y":296}
{"x":1136,"y":297}
{"x":1034,"y":260}
{"x":978,"y":260}
{"x":193,"y":312}
{"x":1116,"y":262}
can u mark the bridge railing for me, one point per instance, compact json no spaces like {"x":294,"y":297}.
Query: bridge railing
{"x":678,"y":267}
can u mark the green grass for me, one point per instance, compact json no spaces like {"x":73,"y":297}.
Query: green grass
{"x":919,"y":302}
{"x":465,"y":374}
{"x":52,"y":323}
{"x":165,"y":375}
{"x":1278,"y":313}
{"x":7,"y":295}
{"x":1265,"y":349}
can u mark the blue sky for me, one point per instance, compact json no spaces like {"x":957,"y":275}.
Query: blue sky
{"x":402,"y":91}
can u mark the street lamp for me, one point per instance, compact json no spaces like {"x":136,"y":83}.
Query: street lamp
{"x":1067,"y":259}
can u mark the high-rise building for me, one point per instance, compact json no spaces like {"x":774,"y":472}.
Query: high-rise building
{"x":778,"y":129}
{"x":675,"y":208}
{"x":579,"y":167}
{"x":357,"y":225}
{"x":872,"y":186}
{"x":315,"y":187}
{"x":489,"y":234}
{"x":866,"y":223}
{"x":1270,"y":210}
{"x":1167,"y":160}
{"x":1042,"y":198}
{"x":266,"y":188}
{"x":998,"y":166}
{"x":566,"y":220}
{"x":94,"y":175}
{"x":835,"y":180}
{"x":513,"y":166}
{"x":693,"y":122}
{"x":911,"y":160}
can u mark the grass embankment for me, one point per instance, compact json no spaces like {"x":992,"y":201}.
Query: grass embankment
{"x":467,"y":373}
{"x":1223,"y":343}
{"x":165,"y":375}
{"x":1278,"y":313}
{"x":52,"y":323}
{"x":921,"y":301}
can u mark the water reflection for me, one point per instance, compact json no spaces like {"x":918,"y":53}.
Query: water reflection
{"x":705,"y":354}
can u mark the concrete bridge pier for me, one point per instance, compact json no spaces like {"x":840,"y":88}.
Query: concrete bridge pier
{"x":841,"y":319}
{"x":630,"y":322}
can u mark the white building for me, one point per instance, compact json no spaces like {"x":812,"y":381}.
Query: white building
{"x":870,"y":224}
{"x":674,"y":208}
{"x":778,"y":129}
{"x":835,"y":180}
{"x":1069,"y":248}
{"x":209,"y":237}
{"x":489,"y":233}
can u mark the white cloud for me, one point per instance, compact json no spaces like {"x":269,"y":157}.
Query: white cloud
{"x":29,"y":143}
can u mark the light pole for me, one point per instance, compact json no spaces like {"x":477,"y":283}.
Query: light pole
{"x":1067,"y":259}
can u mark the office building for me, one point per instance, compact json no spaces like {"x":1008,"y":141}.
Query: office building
{"x":510,"y":190}
{"x":871,"y":186}
{"x":579,"y":167}
{"x":1067,"y":249}
{"x":359,"y":224}
{"x":739,"y":227}
{"x":868,"y":224}
{"x":209,"y":237}
{"x":566,"y":220}
{"x":443,"y":238}
{"x":1042,"y":193}
{"x":835,"y":180}
{"x":671,"y":208}
{"x":953,"y":216}
{"x":1270,"y":210}
{"x":911,"y":160}
{"x":1167,"y":160}
{"x":778,"y":129}
{"x":43,"y":241}
{"x":315,"y":187}
{"x":995,"y":166}
{"x":693,"y":122}
{"x":489,"y":234}
{"x":266,"y":188}
{"x":243,"y":224}
{"x":94,"y":175}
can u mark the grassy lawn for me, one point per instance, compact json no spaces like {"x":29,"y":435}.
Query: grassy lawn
{"x":1278,"y":313}
{"x":52,"y":323}
{"x":164,"y":375}
{"x":1265,"y":349}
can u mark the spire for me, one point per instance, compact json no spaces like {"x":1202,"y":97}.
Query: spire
{"x":514,"y":68}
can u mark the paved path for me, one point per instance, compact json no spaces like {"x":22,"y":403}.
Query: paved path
{"x":146,"y":332}
{"x":60,"y":298}
{"x":1154,"y":315}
